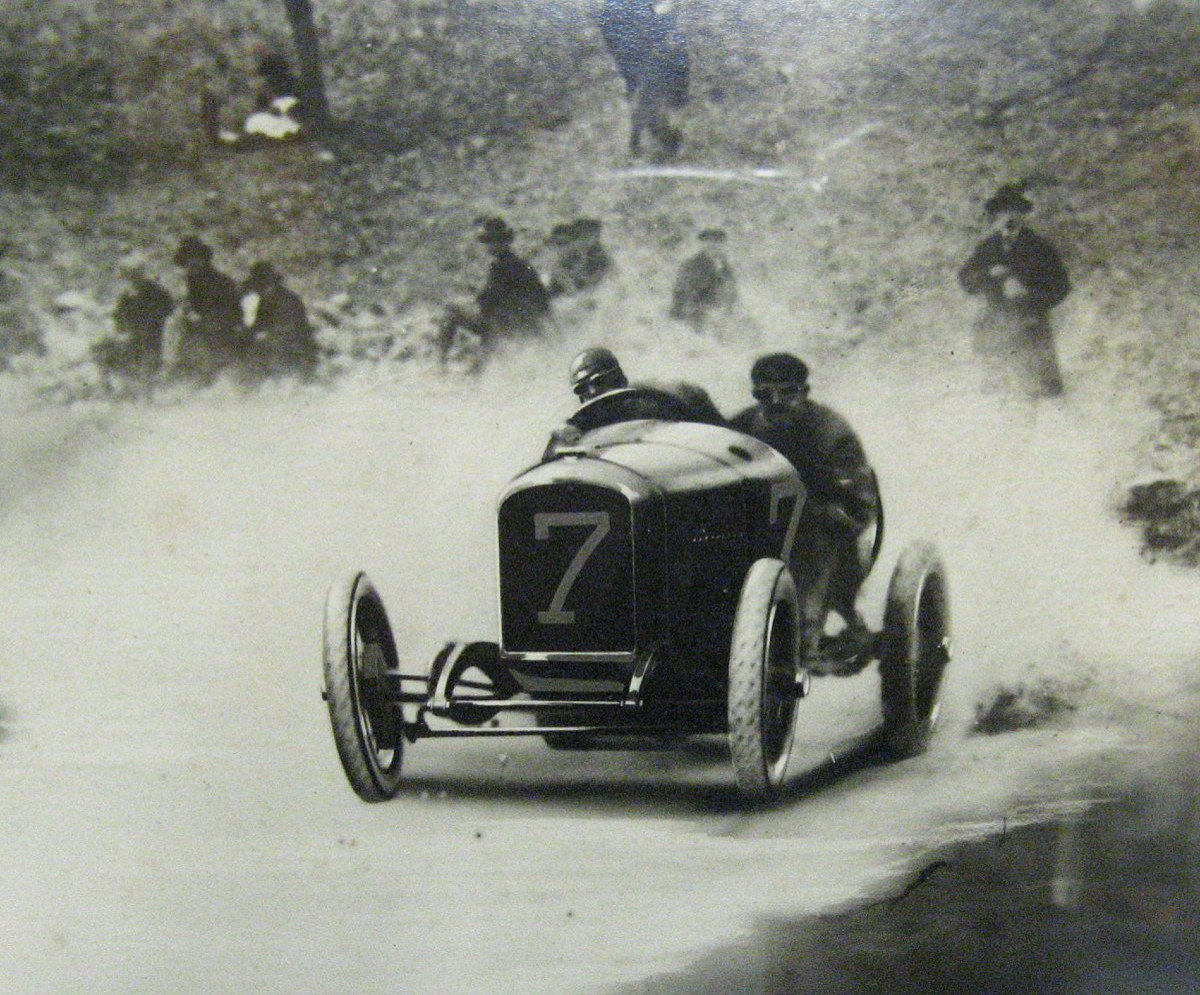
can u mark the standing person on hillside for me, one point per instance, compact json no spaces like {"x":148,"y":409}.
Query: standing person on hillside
{"x":652,"y":58}
{"x":135,"y":349}
{"x":1021,"y":278}
{"x":212,"y":336}
{"x":705,"y":281}
{"x":841,"y":502}
{"x":283,"y":339}
{"x":513,"y":301}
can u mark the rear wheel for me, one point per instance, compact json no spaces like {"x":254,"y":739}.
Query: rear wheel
{"x":916,"y":649}
{"x":763,"y":664}
{"x":368,"y":726}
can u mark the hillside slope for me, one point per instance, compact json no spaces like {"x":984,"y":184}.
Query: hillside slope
{"x":888,"y":123}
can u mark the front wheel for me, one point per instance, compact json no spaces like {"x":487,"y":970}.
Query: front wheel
{"x":763,"y":665}
{"x":360,"y":651}
{"x":916,"y":649}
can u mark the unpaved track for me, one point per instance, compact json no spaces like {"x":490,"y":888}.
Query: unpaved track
{"x":172,"y":810}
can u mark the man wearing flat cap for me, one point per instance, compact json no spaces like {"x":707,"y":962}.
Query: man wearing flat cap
{"x":581,"y":261}
{"x":705,"y":281}
{"x":1021,"y":278}
{"x":513,"y":301}
{"x":835,"y":545}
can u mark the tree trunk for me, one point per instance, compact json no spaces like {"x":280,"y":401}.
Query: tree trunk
{"x":308,"y":62}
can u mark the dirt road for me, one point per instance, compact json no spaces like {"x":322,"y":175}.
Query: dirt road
{"x":173,"y":813}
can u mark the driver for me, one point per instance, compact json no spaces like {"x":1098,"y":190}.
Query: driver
{"x":606,"y":398}
{"x":842,"y":498}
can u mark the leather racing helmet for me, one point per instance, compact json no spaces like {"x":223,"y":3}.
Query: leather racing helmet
{"x":595,"y":370}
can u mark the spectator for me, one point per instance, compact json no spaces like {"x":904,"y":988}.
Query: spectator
{"x":652,"y":58}
{"x":1021,"y":278}
{"x":705,"y":281}
{"x":277,"y":80}
{"x":135,"y":349}
{"x":212,"y":335}
{"x":513,"y":301}
{"x":18,"y":331}
{"x":278,"y":115}
{"x":283,"y":341}
{"x":581,"y":261}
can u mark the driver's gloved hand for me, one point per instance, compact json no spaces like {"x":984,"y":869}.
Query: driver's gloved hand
{"x":838,"y":519}
{"x":564,"y":435}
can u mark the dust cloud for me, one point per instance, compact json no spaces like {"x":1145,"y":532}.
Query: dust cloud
{"x":172,"y":805}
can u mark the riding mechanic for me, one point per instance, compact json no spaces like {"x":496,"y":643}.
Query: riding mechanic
{"x":842,"y":498}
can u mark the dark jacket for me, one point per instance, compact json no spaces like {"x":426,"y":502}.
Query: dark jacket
{"x":826,"y":453}
{"x":514,"y":297}
{"x":1030,"y":259}
{"x":283,"y":337}
{"x":214,"y":310}
{"x":703,"y":282}
{"x":648,"y":48}
{"x":579,"y":267}
{"x":630,"y":404}
{"x":141,"y":313}
{"x":682,"y":402}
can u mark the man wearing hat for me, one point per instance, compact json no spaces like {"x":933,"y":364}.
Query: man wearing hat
{"x":705,"y":281}
{"x":842,"y":500}
{"x":135,"y":349}
{"x":283,"y":339}
{"x":213,"y":335}
{"x":1021,"y":278}
{"x":581,"y":261}
{"x":513,"y":301}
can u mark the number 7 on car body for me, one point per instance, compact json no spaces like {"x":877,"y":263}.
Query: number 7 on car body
{"x":543,"y":522}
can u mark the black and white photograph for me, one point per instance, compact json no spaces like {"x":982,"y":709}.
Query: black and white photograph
{"x":642,"y":497}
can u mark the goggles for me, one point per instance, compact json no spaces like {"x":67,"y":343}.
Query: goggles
{"x":777,"y":393}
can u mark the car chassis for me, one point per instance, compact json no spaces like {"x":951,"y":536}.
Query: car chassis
{"x":718,"y":653}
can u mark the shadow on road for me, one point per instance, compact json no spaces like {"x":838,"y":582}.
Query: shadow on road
{"x":691,"y":778}
{"x":1108,"y":901}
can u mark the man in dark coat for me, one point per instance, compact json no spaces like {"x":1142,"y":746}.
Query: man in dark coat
{"x":513,"y":301}
{"x":1021,"y":278}
{"x":213,"y":335}
{"x":136,"y":348}
{"x":842,"y":500}
{"x":651,"y":56}
{"x":705,"y":281}
{"x":283,"y":339}
{"x":606,"y":397}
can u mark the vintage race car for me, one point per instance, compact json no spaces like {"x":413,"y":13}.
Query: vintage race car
{"x":644,"y":591}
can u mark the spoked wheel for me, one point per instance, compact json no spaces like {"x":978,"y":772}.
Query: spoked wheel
{"x":916,"y":649}
{"x":368,"y":726}
{"x":763,"y":664}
